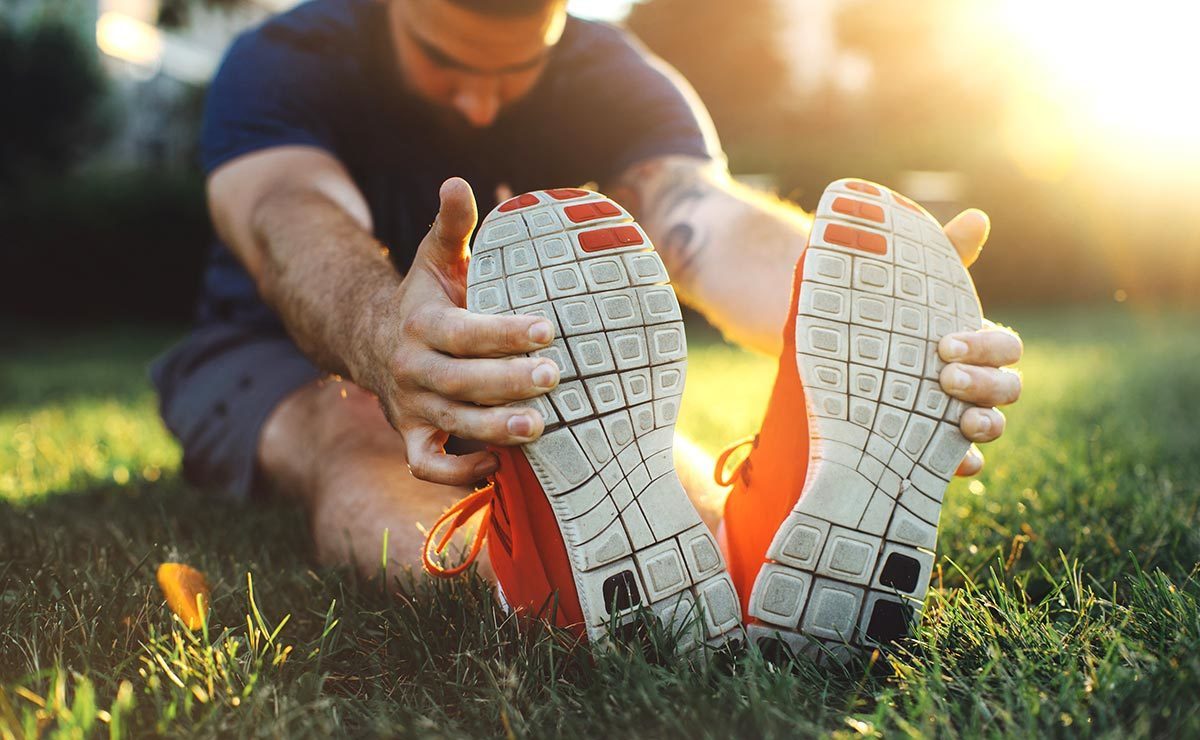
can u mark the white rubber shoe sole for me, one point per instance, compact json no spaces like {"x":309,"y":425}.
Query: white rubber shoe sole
{"x":605,"y":458}
{"x":850,"y":566}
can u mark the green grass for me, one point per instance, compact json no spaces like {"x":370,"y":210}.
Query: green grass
{"x":1065,"y":602}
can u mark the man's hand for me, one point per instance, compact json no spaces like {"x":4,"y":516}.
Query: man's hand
{"x":302,"y":229}
{"x":439,"y":369}
{"x":977,"y":369}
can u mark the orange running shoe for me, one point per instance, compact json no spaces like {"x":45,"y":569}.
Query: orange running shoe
{"x":832,"y":521}
{"x":591,"y":516}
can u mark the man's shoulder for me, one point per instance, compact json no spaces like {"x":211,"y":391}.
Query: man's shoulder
{"x":293,"y":80}
{"x":595,"y":53}
{"x":591,"y":41}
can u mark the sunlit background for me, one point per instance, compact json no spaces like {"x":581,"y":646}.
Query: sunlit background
{"x":1074,"y":125}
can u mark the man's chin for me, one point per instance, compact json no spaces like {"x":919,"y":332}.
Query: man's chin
{"x":451,"y":123}
{"x":458,"y":128}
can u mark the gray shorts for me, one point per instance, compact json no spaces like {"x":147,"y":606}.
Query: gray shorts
{"x":216,"y":389}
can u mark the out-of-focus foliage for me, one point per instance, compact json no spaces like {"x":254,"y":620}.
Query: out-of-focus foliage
{"x":54,"y":91}
{"x":89,"y":236}
{"x":927,"y":104}
{"x":177,"y":13}
{"x":940,"y":99}
{"x":726,"y":51}
{"x":100,"y":245}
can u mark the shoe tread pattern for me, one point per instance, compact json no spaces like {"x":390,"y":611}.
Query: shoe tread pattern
{"x":882,"y":284}
{"x":605,"y":459}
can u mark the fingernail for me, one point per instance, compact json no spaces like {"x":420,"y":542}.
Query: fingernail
{"x":545,"y":375}
{"x":985,"y":426}
{"x":541,"y":332}
{"x":959,"y":380}
{"x":520,"y":425}
{"x":954,"y":349}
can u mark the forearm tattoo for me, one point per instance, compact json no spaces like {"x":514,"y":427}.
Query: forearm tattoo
{"x":669,"y":197}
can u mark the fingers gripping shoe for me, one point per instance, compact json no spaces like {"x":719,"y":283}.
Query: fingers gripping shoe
{"x":592,"y":514}
{"x":832,"y":521}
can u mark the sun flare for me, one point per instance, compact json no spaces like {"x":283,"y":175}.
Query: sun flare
{"x":1127,"y":71}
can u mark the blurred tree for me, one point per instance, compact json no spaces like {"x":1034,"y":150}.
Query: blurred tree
{"x":56,"y":89}
{"x":940,"y":78}
{"x":727,"y":51}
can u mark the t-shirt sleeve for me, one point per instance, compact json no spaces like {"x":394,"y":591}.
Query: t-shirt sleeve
{"x":640,"y":108}
{"x":267,"y":93}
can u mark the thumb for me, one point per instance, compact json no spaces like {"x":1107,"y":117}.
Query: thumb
{"x":967,"y":232}
{"x":451,"y":230}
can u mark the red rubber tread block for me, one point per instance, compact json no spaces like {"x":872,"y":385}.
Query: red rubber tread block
{"x":566,"y":193}
{"x":863,"y":187}
{"x":521,"y":201}
{"x":617,"y":236}
{"x":584,"y":212}
{"x":848,"y":236}
{"x":851,"y":207}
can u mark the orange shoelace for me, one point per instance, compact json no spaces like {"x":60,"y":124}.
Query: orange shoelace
{"x":453,"y":520}
{"x":742,"y":467}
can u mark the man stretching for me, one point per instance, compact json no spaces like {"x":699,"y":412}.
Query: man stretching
{"x":334,"y":135}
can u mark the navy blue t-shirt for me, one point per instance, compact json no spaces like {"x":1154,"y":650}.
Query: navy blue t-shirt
{"x":325,"y":74}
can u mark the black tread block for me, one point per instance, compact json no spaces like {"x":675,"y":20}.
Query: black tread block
{"x":621,"y":592}
{"x":900,"y":572}
{"x":889,"y":621}
{"x":775,"y":651}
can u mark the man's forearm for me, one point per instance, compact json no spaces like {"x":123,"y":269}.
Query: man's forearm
{"x":324,"y":274}
{"x":730,"y":250}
